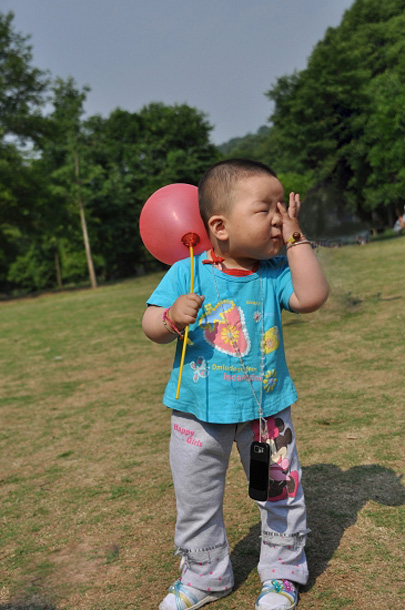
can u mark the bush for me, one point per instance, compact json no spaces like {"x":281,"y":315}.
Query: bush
{"x":34,"y":270}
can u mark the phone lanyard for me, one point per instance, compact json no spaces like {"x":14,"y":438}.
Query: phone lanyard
{"x":258,"y":400}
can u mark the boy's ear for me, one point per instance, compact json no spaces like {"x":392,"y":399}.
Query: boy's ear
{"x":217,"y":227}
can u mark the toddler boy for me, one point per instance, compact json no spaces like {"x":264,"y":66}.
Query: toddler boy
{"x":236,"y":386}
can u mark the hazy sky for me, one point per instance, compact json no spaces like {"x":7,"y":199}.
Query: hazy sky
{"x":219,"y":56}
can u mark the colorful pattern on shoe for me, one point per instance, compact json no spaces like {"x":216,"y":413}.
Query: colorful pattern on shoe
{"x":183,"y":597}
{"x":277,"y":595}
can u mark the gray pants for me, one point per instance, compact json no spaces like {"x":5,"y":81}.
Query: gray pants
{"x":199,"y":457}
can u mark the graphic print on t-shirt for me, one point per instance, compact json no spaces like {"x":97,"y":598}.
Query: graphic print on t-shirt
{"x":224,"y":328}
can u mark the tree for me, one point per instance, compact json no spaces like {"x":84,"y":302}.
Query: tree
{"x":22,"y":87}
{"x":64,"y":157}
{"x":65,"y":181}
{"x":340,"y":118}
{"x":385,"y":135}
{"x":137,"y":153}
{"x":22,"y":96}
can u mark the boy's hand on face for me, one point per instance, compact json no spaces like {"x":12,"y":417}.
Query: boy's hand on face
{"x":185,"y":309}
{"x":290,"y":217}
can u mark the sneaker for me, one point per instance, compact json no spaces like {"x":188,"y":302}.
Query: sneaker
{"x":183,"y":597}
{"x":277,"y":595}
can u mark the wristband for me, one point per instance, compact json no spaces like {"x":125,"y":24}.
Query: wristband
{"x":170,"y":325}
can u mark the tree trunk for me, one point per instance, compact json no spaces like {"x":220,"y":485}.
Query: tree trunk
{"x":58,"y":270}
{"x":86,"y":240}
{"x":90,"y":265}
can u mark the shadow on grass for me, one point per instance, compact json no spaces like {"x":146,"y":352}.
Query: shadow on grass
{"x":334,"y":498}
{"x":35,"y":599}
{"x":27,"y":606}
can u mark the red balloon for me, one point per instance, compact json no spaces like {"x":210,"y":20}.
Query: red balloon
{"x":167,"y":217}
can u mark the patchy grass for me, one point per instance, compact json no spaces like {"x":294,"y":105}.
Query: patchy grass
{"x":87,"y":504}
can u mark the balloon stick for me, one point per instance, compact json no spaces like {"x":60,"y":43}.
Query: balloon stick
{"x":190,"y":240}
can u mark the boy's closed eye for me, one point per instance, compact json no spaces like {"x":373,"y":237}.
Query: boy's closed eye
{"x":266,"y":207}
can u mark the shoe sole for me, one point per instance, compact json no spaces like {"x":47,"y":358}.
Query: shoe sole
{"x":207,"y":600}
{"x":279,"y":608}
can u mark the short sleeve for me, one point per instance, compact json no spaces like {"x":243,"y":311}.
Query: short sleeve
{"x":172,"y":285}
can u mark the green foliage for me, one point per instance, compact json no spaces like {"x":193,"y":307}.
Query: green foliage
{"x":297,"y":183}
{"x":22,"y":86}
{"x":251,"y":146}
{"x":33,"y":270}
{"x":338,"y":124}
{"x":337,"y":132}
{"x":137,"y":153}
{"x":109,"y":167}
{"x":22,"y":90}
{"x":342,"y":117}
{"x":73,"y":261}
{"x":73,"y":174}
{"x":386,"y":153}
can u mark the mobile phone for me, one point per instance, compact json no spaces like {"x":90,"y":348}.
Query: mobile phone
{"x":259,"y":471}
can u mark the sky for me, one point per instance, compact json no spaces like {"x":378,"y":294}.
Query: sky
{"x":219,"y":56}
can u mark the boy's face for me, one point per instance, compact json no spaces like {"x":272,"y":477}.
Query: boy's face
{"x":253,"y":223}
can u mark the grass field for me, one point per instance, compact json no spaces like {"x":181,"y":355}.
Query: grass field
{"x":87,"y":505}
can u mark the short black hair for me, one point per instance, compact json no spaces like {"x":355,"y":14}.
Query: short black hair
{"x":215,"y":187}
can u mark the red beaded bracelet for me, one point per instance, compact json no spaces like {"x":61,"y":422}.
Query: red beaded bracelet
{"x":170,"y":325}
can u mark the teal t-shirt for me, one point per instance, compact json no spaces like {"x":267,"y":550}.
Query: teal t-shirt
{"x":237,"y":312}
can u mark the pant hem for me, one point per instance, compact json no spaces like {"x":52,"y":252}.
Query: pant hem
{"x":207,"y":569}
{"x":298,"y":576}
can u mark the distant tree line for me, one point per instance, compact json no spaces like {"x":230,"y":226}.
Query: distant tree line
{"x":72,"y":188}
